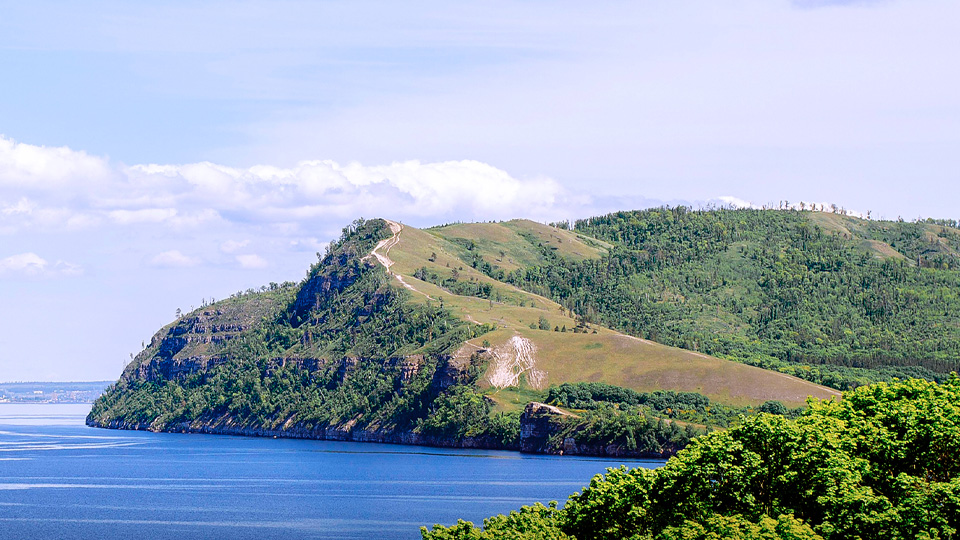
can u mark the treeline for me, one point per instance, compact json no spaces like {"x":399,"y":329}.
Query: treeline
{"x":768,"y":288}
{"x":627,"y":431}
{"x":454,"y":284}
{"x":685,"y":406}
{"x":881,"y":464}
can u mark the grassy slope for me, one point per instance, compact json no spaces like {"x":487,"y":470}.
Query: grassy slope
{"x":852,"y":227}
{"x":504,"y":243}
{"x":567,"y":357}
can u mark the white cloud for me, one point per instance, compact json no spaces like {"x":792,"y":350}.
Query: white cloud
{"x":252,"y":261}
{"x":50,"y":189}
{"x":323,"y":189}
{"x":64,"y":268}
{"x":284,"y":206}
{"x":233,"y":245}
{"x":32,"y":265}
{"x":29,"y":264}
{"x":147,"y":215}
{"x":39,"y":167}
{"x":173,"y":259}
{"x":308,"y":244}
{"x":23,"y":206}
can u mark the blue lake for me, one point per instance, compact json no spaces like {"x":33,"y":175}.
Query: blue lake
{"x":61,"y":479}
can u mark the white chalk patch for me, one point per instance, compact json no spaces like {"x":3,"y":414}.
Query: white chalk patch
{"x":514,"y":358}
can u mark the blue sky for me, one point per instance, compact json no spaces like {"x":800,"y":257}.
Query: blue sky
{"x":156,"y":154}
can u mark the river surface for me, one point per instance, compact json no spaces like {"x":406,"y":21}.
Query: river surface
{"x":62,"y":479}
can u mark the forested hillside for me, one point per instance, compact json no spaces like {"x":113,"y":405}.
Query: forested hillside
{"x":345,"y":355}
{"x":342,"y":348}
{"x":459,"y":334}
{"x":781,"y":289}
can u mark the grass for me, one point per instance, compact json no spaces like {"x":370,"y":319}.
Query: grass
{"x":513,"y":244}
{"x":567,"y":244}
{"x":646,"y":366}
{"x":513,"y":399}
{"x":881,"y":250}
{"x":606,"y":356}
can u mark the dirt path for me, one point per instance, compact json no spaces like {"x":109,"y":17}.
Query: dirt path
{"x":384,"y":257}
{"x":635,"y":338}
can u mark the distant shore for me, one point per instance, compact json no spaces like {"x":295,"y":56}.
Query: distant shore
{"x":52,"y":392}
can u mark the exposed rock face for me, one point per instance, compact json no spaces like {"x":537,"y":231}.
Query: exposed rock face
{"x":169,"y":368}
{"x":452,"y":371}
{"x":538,"y":424}
{"x":545,"y":429}
{"x":409,"y":366}
{"x":165,"y":368}
{"x":326,"y":285}
{"x":186,"y":346}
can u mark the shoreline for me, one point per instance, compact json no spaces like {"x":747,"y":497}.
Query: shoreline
{"x":403,"y":438}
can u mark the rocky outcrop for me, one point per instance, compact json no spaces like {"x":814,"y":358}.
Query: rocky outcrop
{"x":540,"y":425}
{"x":409,"y":366}
{"x":322,"y":286}
{"x":169,"y":368}
{"x":545,"y":429}
{"x":162,"y":368}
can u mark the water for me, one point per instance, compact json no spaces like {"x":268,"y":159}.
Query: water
{"x":61,"y":479}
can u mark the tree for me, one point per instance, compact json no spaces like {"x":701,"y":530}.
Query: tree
{"x":883,"y":463}
{"x":543,"y":323}
{"x":773,"y":407}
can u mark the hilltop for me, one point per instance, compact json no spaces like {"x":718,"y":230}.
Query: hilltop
{"x":443,"y":335}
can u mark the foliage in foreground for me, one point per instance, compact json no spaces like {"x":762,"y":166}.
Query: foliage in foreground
{"x":884,"y":463}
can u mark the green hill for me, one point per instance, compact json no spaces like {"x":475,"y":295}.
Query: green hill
{"x":834,"y":299}
{"x":442,"y":336}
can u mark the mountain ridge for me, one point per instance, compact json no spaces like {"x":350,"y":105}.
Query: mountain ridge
{"x":414,"y":335}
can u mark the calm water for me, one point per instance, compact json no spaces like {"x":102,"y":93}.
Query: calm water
{"x":61,"y":479}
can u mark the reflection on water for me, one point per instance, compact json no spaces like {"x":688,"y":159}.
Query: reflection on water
{"x":61,"y":479}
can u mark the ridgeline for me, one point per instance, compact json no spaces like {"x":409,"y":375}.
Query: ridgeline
{"x":626,"y":334}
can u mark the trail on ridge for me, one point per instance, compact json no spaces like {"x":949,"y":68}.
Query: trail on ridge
{"x":384,"y":258}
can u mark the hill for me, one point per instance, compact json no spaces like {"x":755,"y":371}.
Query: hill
{"x":838,"y":300}
{"x":445,"y":265}
{"x":443,"y":335}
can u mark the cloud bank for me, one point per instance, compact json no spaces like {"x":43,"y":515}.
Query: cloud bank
{"x":206,"y":214}
{"x":43,"y":188}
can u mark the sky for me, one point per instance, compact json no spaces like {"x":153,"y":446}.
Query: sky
{"x":157,"y":155}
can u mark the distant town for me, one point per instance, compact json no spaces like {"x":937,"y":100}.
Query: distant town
{"x":52,"y":392}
